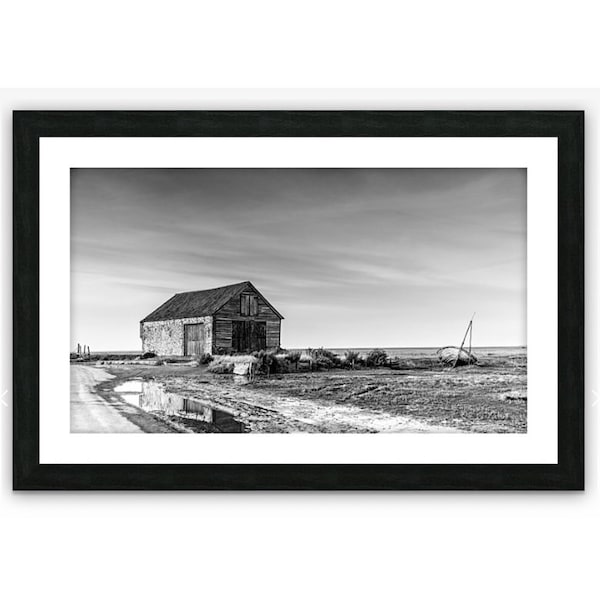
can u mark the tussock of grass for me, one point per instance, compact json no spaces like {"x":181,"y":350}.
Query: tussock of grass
{"x":225,"y":364}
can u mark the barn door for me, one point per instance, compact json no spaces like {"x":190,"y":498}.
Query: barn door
{"x":248,"y":336}
{"x":193,"y":339}
{"x":258,"y":335}
{"x":239,"y":338}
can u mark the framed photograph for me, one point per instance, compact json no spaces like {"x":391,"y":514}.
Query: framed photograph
{"x":333,"y":300}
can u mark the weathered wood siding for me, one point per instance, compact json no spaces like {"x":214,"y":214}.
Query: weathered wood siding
{"x":274,"y":334}
{"x":231,"y":311}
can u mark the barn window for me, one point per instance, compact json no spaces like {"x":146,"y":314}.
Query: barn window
{"x":248,"y":305}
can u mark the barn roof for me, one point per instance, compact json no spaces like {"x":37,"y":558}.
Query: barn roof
{"x":201,"y":303}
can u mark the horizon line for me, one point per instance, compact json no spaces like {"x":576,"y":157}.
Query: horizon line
{"x":341,"y":347}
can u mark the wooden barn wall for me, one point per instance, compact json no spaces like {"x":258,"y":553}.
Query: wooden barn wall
{"x":273,"y":334}
{"x":231,"y":311}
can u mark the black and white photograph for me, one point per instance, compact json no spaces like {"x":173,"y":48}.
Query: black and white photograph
{"x":298,"y":300}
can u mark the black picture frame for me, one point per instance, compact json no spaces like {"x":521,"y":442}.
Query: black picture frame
{"x":567,"y":126}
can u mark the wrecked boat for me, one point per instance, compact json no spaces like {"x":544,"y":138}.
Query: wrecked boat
{"x":453,"y":356}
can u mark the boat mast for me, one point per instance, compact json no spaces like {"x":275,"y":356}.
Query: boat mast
{"x":468,"y":331}
{"x":471,"y":334}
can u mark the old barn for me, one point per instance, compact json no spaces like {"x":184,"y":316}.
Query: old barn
{"x":233,"y":318}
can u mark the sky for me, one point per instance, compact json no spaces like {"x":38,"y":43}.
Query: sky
{"x":350,"y":257}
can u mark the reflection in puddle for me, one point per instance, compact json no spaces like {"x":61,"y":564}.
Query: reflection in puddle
{"x":150,"y":396}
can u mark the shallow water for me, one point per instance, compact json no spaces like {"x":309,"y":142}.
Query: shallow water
{"x":150,"y":396}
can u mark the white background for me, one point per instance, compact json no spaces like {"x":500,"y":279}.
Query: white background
{"x":361,"y":545}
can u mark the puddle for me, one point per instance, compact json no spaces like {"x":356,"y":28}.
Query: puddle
{"x":130,"y":391}
{"x":151,"y":397}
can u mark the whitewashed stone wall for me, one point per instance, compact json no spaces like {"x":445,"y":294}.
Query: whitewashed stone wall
{"x":165,"y":338}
